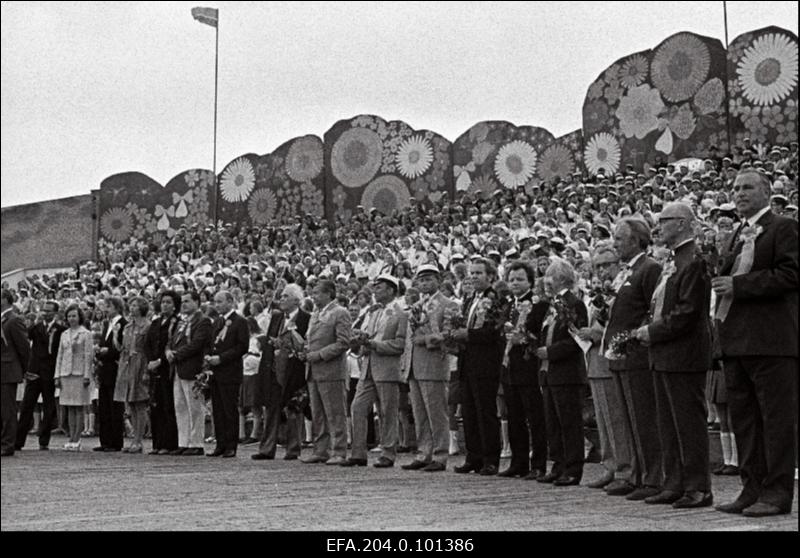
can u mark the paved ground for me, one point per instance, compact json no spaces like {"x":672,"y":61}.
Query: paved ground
{"x":88,"y":491}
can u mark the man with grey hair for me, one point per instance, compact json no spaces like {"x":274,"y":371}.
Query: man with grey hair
{"x":679,"y":338}
{"x":757,"y":310}
{"x":634,"y":286}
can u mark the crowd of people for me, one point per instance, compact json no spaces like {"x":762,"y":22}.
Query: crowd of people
{"x":662,"y":297}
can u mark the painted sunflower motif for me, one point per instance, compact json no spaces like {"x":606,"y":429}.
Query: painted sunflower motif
{"x":634,"y":71}
{"x":556,"y":161}
{"x":356,"y":157}
{"x":386,"y":193}
{"x":767,"y":70}
{"x":515,"y":164}
{"x":602,"y":152}
{"x":237,"y":181}
{"x":116,"y":224}
{"x":414,"y":156}
{"x":262,"y":206}
{"x":304,"y":160}
{"x":680,"y":67}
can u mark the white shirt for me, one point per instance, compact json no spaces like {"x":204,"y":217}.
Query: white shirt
{"x":111,"y":324}
{"x":754,"y":219}
{"x":635,"y":259}
{"x":6,"y":311}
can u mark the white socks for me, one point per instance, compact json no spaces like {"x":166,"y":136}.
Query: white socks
{"x":730,"y":455}
{"x":734,"y":451}
{"x":453,"y":442}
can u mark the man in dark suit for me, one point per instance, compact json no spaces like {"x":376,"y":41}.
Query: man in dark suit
{"x":283,"y":373}
{"x":45,"y":337}
{"x":757,"y":288}
{"x":109,"y":412}
{"x":562,"y":375}
{"x":634,"y":286}
{"x":520,"y":378}
{"x":162,"y":401}
{"x":185,"y":355}
{"x":14,"y":356}
{"x":479,"y":366}
{"x":231,"y":342}
{"x":679,"y":339}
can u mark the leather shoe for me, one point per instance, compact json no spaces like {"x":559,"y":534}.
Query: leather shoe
{"x":261,"y":456}
{"x":163,"y":452}
{"x":314,"y":459}
{"x":383,"y":463}
{"x":642,"y":492}
{"x":229,"y":453}
{"x":192,"y":452}
{"x":414,"y":465}
{"x":44,"y":448}
{"x":178,"y":451}
{"x":664,"y":497}
{"x":488,"y":470}
{"x":467,"y":468}
{"x":111,"y":450}
{"x":248,"y":441}
{"x":535,"y":474}
{"x":513,"y":472}
{"x":434,"y":466}
{"x":764,"y":509}
{"x":216,"y":453}
{"x":99,"y":448}
{"x":567,"y":480}
{"x":619,"y":488}
{"x":353,"y":462}
{"x":336,"y":460}
{"x":694,"y":499}
{"x":602,"y":482}
{"x":730,"y":471}
{"x":153,"y":451}
{"x":548,"y":478}
{"x":737,"y":506}
{"x":290,"y":457}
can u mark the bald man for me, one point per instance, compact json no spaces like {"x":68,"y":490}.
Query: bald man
{"x":679,"y":339}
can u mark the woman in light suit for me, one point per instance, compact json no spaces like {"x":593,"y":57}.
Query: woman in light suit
{"x":73,"y":374}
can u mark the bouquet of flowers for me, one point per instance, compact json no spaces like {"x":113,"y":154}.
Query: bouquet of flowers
{"x":564,"y":312}
{"x":600,"y":303}
{"x":299,"y":401}
{"x":358,"y":339}
{"x":452,"y":319}
{"x":201,"y":387}
{"x":417,"y":316}
{"x":290,"y":343}
{"x":621,"y":345}
{"x":517,"y":330}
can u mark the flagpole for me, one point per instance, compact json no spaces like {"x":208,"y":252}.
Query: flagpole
{"x":216,"y":73}
{"x":727,"y":94}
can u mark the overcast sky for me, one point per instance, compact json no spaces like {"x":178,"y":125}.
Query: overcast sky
{"x":94,"y":89}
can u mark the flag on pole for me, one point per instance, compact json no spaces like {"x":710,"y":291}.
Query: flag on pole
{"x":209,"y":16}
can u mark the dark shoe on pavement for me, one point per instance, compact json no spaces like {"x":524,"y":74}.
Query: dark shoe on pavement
{"x":535,"y":475}
{"x":602,"y":482}
{"x":619,"y":488}
{"x":642,"y":492}
{"x":261,"y":456}
{"x":229,"y":453}
{"x":216,"y":453}
{"x":178,"y":451}
{"x":567,"y":480}
{"x":763,"y":509}
{"x":434,"y":466}
{"x":694,"y":499}
{"x":512,"y":472}
{"x":488,"y":470}
{"x":193,"y":452}
{"x":163,"y":452}
{"x":314,"y":459}
{"x":467,"y":468}
{"x":99,"y":448}
{"x":383,"y":463}
{"x":549,"y":478}
{"x":111,"y":450}
{"x":730,"y":471}
{"x":414,"y":465}
{"x":248,"y":441}
{"x":290,"y":456}
{"x":718,"y":470}
{"x":44,"y":448}
{"x":664,"y":497}
{"x":737,"y":506}
{"x":353,"y":462}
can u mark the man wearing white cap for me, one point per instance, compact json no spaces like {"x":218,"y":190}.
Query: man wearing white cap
{"x":428,"y":373}
{"x":380,"y":374}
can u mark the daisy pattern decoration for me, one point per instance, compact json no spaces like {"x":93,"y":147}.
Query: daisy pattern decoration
{"x":237,"y":181}
{"x":556,"y":161}
{"x":116,"y":224}
{"x":638,"y":111}
{"x":634,"y":71}
{"x":356,"y":157}
{"x":680,"y":67}
{"x":386,"y":193}
{"x":602,"y":152}
{"x":767,"y":71}
{"x":261,"y":206}
{"x":515,"y":164}
{"x":304,"y":160}
{"x":414,"y":157}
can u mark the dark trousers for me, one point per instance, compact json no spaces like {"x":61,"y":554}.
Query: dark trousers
{"x":639,"y":401}
{"x":47,"y":388}
{"x":224,"y":407}
{"x":272,"y":419}
{"x":762,"y":398}
{"x":563,"y":405}
{"x":526,"y":425}
{"x":680,"y":404}
{"x":163,"y":423}
{"x":109,"y":417}
{"x":8,"y":414}
{"x":481,"y":425}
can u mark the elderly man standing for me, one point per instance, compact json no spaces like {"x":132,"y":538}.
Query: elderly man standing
{"x":15,"y":356}
{"x":634,"y":286}
{"x":679,"y":339}
{"x":326,"y":346}
{"x":427,"y":370}
{"x":380,"y":374}
{"x":757,"y":311}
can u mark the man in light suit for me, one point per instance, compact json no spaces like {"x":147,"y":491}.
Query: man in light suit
{"x":231,"y":342}
{"x":326,"y":347}
{"x":380,"y":374}
{"x":185,"y":354}
{"x":679,"y":339}
{"x":15,"y":355}
{"x":427,"y":371}
{"x":757,"y":309}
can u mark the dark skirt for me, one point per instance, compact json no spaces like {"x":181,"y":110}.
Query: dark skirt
{"x":247,"y":394}
{"x":715,"y":387}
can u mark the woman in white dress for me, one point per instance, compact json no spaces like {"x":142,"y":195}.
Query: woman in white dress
{"x":73,"y":374}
